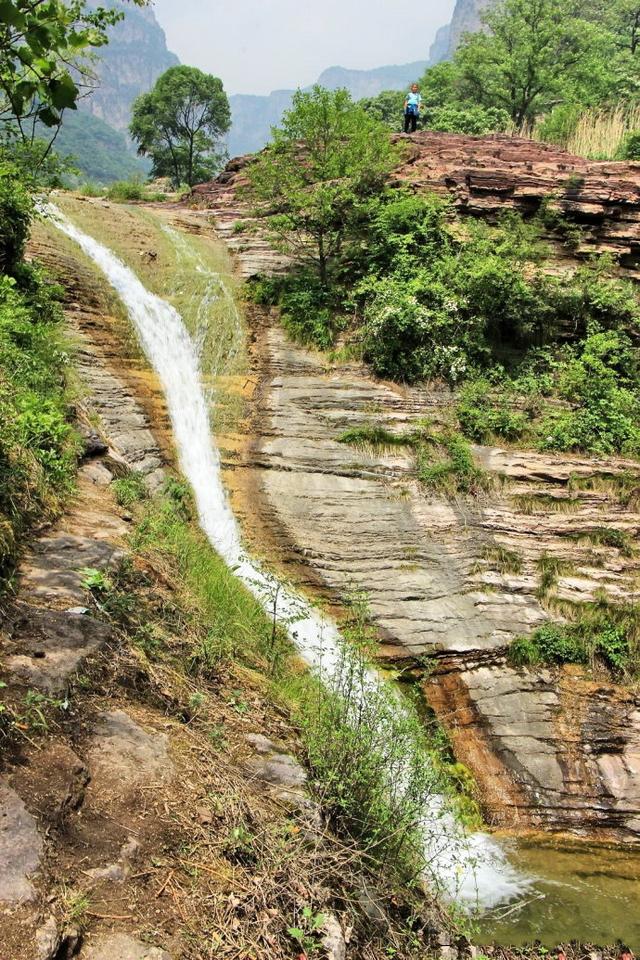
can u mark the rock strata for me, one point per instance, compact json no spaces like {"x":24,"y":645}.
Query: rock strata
{"x":549,"y":748}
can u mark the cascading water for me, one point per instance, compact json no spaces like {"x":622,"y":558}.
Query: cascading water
{"x":472,"y":869}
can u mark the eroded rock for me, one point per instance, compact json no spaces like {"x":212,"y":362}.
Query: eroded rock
{"x":120,"y":946}
{"x":20,"y":848}
{"x":122,"y":751}
{"x":46,"y":646}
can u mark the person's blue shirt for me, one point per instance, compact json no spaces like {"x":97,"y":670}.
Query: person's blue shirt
{"x":414,"y":102}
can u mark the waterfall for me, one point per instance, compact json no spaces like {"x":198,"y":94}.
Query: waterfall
{"x":472,"y":869}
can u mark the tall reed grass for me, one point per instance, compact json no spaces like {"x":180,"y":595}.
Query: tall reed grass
{"x":600,"y":134}
{"x":597,"y":134}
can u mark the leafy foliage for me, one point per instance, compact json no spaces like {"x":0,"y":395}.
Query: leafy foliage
{"x":325,"y":161}
{"x":369,"y":757}
{"x":37,"y":451}
{"x":601,"y":634}
{"x":179,"y":124}
{"x":43,"y":51}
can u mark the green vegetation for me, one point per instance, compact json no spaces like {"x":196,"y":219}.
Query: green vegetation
{"x":535,"y":357}
{"x":448,"y":467}
{"x":129,"y":489}
{"x":550,"y":569}
{"x":314,"y":182}
{"x":371,"y":764}
{"x":179,"y":125}
{"x":99,"y":152}
{"x":600,"y":634}
{"x":374,"y":769}
{"x":502,"y":559}
{"x":444,"y":460}
{"x":607,"y":537}
{"x":37,"y":447}
{"x":42,"y":48}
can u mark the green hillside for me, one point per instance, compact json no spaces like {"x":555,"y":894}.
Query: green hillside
{"x":100,"y":153}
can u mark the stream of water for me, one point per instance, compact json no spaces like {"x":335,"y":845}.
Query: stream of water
{"x":471,"y":869}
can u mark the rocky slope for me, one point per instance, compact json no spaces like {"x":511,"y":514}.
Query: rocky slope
{"x":550,"y":748}
{"x":487,"y":176}
{"x":147,"y":813}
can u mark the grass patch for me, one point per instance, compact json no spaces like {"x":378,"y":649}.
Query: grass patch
{"x":502,"y":559}
{"x":372,"y":437}
{"x":531,"y":503}
{"x":129,"y":489}
{"x":606,"y":537}
{"x":448,"y":467}
{"x":622,"y":488}
{"x":550,"y":569}
{"x":601,"y":634}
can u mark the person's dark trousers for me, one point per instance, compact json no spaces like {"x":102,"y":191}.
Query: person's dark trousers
{"x":410,"y":122}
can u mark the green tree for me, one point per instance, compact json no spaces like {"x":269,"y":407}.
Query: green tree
{"x":179,"y":124}
{"x":323,"y":165}
{"x":386,"y":107}
{"x":532,"y":55}
{"x":43,"y":50}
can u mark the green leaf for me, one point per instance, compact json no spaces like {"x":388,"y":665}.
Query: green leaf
{"x":63,"y":92}
{"x":10,"y":14}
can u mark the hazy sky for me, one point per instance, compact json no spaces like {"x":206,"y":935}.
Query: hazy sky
{"x":256,"y":46}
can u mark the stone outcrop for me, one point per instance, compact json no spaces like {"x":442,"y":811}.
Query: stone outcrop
{"x":550,"y":748}
{"x":485,"y":177}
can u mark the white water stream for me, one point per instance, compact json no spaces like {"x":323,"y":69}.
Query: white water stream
{"x":471,"y":869}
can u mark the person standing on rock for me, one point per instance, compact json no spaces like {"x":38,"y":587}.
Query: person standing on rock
{"x":412,"y":108}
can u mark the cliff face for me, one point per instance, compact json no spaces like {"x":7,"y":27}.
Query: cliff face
{"x":556,"y":749}
{"x":466,"y":19}
{"x":131,"y":63}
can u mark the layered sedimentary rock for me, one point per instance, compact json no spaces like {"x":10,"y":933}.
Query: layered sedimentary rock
{"x":486,"y":176}
{"x":555,"y":748}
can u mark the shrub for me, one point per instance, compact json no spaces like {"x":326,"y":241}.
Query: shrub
{"x":16,"y":211}
{"x":37,"y":447}
{"x":600,"y":633}
{"x":415,"y":329}
{"x":599,"y":384}
{"x":450,"y":468}
{"x":124,"y":191}
{"x":552,"y":643}
{"x":475,"y":120}
{"x":308,"y":314}
{"x":485,"y":413}
{"x":630,"y":147}
{"x":369,"y":758}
